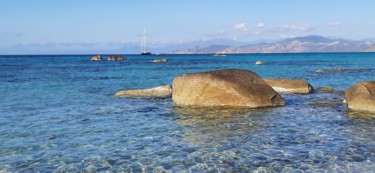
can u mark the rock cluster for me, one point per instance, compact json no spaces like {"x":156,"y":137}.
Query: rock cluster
{"x":115,"y":58}
{"x":243,"y":88}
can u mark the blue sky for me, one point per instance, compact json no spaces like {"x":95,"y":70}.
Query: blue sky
{"x":49,"y":26}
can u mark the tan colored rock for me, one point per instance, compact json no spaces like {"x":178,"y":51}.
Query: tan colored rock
{"x":116,"y":58}
{"x":361,"y":96}
{"x":259,"y":62}
{"x":289,"y":86}
{"x":161,"y":91}
{"x":337,"y":69}
{"x":224,"y":88}
{"x":162,"y":60}
{"x":96,"y":58}
{"x":320,"y":71}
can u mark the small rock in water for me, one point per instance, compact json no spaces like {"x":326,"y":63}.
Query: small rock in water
{"x":116,"y":58}
{"x":162,"y":60}
{"x":96,"y":58}
{"x":52,"y":137}
{"x":259,"y":62}
{"x":320,"y":71}
{"x":337,"y":69}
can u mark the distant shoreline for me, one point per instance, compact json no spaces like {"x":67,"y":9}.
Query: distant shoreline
{"x":170,"y":54}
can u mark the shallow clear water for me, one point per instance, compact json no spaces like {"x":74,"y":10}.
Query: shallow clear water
{"x":58,"y":114}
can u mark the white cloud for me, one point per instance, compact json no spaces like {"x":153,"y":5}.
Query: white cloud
{"x":260,"y":25}
{"x":296,"y":27}
{"x":241,"y":26}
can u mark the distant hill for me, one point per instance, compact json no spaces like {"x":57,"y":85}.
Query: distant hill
{"x":203,"y":50}
{"x":370,"y":49}
{"x":312,"y":43}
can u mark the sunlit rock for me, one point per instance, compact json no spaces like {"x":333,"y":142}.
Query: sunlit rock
{"x":161,"y":91}
{"x":289,"y":86}
{"x":96,"y":58}
{"x":361,"y":96}
{"x":161,"y":60}
{"x":224,"y":88}
{"x":115,"y":58}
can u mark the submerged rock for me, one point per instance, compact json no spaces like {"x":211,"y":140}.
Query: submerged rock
{"x":289,"y":86}
{"x":224,"y":88}
{"x":116,"y":58}
{"x":361,"y":96}
{"x":325,"y":88}
{"x":96,"y":58}
{"x":162,"y":60}
{"x":161,"y":91}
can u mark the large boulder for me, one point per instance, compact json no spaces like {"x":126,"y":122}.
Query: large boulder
{"x":96,"y":58}
{"x":115,"y":58}
{"x":161,"y":91}
{"x":361,"y":96}
{"x":289,"y":86}
{"x":224,"y":88}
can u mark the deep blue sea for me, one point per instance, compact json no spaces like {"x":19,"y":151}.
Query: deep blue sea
{"x":58,"y":114}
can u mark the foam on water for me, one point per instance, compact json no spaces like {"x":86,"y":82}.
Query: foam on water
{"x":58,"y":114}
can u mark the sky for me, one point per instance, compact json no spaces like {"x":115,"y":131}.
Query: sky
{"x":98,"y":26}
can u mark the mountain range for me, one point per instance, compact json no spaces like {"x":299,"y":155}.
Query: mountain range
{"x":312,"y":43}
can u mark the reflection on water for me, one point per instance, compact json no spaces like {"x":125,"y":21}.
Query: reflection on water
{"x":209,"y":127}
{"x":361,"y":115}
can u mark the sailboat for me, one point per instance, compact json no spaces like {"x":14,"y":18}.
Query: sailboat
{"x":143,"y":46}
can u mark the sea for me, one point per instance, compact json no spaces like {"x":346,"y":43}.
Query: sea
{"x":58,"y":113}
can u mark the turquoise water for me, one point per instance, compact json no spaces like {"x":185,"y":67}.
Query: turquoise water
{"x":58,"y":114}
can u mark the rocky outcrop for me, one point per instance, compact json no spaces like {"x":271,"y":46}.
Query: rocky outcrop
{"x":96,"y":58}
{"x":224,"y":88}
{"x":161,"y":60}
{"x":161,"y":91}
{"x":361,"y":96}
{"x":116,"y":58}
{"x":289,"y":86}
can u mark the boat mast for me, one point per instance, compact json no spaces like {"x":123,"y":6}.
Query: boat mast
{"x":144,"y":40}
